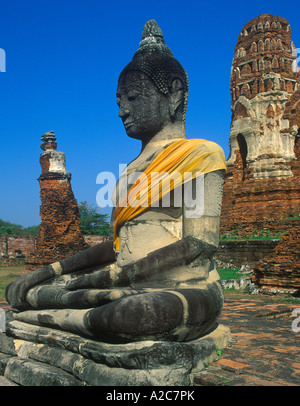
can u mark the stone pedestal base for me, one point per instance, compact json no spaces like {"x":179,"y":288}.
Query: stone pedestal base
{"x":39,"y":356}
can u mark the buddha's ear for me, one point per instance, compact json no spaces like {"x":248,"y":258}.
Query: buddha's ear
{"x":176,"y":97}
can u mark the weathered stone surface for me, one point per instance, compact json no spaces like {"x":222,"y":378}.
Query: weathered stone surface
{"x":4,"y":358}
{"x":32,"y":373}
{"x":237,"y":284}
{"x":7,"y":344}
{"x":6,"y":382}
{"x":151,"y":354}
{"x":61,"y":358}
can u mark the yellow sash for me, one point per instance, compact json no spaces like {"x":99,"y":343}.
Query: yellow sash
{"x":195,"y":156}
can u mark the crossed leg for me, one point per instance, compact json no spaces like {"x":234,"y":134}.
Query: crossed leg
{"x":177,"y":315}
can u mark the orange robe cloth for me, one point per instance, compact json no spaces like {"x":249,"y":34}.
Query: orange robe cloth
{"x":165,"y":173}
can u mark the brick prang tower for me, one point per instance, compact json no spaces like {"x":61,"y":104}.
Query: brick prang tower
{"x":60,"y":234}
{"x":262,"y":185}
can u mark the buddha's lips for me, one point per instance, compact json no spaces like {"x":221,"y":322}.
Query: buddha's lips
{"x":128,"y":125}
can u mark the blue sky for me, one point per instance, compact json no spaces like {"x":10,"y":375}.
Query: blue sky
{"x":63,"y":58}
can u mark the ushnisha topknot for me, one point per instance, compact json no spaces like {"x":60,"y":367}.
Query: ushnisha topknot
{"x":156,"y":60}
{"x":152,"y":40}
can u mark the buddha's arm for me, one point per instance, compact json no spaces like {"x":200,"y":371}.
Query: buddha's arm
{"x":182,"y":252}
{"x":86,"y":259}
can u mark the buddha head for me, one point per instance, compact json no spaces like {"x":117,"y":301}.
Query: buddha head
{"x":153,"y":88}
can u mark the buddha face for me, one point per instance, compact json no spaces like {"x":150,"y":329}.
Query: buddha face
{"x":142,"y":108}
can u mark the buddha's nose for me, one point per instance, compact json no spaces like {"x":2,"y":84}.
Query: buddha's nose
{"x":123,"y":111}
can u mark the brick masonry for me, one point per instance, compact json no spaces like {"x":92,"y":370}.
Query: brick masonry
{"x":282,"y":267}
{"x":238,"y":253}
{"x":17,"y":248}
{"x":60,"y":234}
{"x":262,"y":184}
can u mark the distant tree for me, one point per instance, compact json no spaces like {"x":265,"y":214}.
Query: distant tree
{"x":92,"y":221}
{"x":31,"y":230}
{"x":7,"y":228}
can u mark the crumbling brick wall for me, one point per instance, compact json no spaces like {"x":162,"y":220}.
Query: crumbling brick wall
{"x":16,"y":249}
{"x":282,"y":267}
{"x":13,"y":246}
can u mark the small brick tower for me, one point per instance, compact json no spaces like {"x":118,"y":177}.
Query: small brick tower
{"x":60,"y":234}
{"x":262,"y":185}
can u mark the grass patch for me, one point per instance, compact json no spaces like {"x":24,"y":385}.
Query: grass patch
{"x":235,"y":238}
{"x":226,"y":274}
{"x":7,"y":275}
{"x":291,"y":218}
{"x":257,"y":235}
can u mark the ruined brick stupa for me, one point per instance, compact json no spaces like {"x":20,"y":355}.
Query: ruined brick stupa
{"x":262,"y":184}
{"x":60,"y":235}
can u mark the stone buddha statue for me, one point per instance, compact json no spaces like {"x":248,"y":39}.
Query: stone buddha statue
{"x":155,"y":278}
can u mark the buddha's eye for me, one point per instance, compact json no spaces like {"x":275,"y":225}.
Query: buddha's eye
{"x":132,"y":95}
{"x":118,"y":101}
